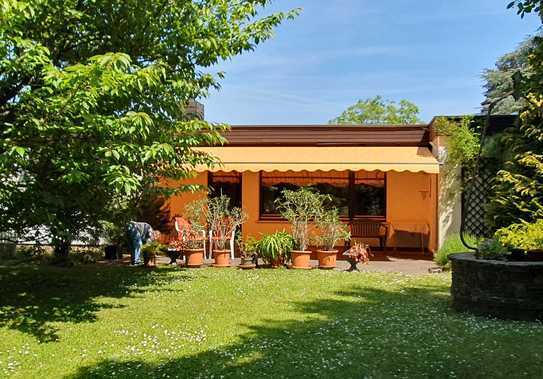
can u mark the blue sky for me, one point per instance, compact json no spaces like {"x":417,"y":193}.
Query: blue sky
{"x":431,"y":52}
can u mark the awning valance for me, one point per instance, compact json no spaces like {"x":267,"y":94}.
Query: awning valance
{"x":323,"y":158}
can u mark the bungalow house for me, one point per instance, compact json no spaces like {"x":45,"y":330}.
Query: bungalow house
{"x":377,"y":175}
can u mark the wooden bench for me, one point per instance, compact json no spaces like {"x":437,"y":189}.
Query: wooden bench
{"x":370,"y":229}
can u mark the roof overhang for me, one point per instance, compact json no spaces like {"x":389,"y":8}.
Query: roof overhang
{"x":322,"y":158}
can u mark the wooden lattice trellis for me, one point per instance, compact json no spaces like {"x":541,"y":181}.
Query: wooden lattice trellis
{"x":477,"y":187}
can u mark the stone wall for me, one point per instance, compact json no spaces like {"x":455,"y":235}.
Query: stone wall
{"x":511,"y":290}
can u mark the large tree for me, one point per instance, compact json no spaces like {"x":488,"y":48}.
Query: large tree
{"x":93,"y":97}
{"x":377,"y":111}
{"x":527,"y":6}
{"x":499,"y":80}
{"x":518,"y":190}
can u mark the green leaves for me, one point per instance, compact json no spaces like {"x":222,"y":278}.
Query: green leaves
{"x":93,"y":102}
{"x":330,"y":229}
{"x":300,"y":208}
{"x":463,"y":143}
{"x":376,"y":111}
{"x":527,"y":6}
{"x":275,"y":247}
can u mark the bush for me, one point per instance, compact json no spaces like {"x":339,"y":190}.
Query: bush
{"x":452,"y":244}
{"x":522,"y":236}
{"x":86,"y":255}
{"x":491,"y":248}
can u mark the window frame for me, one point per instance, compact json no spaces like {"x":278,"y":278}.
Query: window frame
{"x":350,"y":217}
{"x":229,"y":173}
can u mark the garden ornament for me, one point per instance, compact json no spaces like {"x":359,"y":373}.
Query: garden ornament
{"x":138,"y":234}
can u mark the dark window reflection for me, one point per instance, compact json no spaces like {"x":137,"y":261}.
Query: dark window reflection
{"x":226,"y":183}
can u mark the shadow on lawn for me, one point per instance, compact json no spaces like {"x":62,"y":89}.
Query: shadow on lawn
{"x":362,"y":332}
{"x":34,"y":296}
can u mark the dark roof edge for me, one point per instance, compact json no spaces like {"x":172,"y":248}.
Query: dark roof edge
{"x":334,"y":126}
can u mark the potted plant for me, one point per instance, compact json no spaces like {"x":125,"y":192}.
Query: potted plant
{"x":223,"y":222}
{"x":274,"y":248}
{"x":192,"y":242}
{"x":300,"y":208}
{"x":331,"y":230}
{"x":249,"y":252}
{"x":151,"y":250}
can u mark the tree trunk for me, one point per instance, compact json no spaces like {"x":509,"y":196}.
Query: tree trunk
{"x":61,"y":252}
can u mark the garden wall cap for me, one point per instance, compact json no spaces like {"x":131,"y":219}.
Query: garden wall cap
{"x":470,"y":257}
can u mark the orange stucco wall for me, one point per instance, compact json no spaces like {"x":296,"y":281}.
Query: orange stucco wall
{"x":411,"y":207}
{"x":176,"y":203}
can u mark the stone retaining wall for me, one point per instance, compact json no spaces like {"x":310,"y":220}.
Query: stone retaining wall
{"x":512,"y":290}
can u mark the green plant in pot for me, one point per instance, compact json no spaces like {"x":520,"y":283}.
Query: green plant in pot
{"x":248,"y":248}
{"x":330,"y":231}
{"x":151,"y":250}
{"x":275,"y":248}
{"x":301,"y":208}
{"x":193,"y":236}
{"x":223,"y":222}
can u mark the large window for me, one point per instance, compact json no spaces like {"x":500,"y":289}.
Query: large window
{"x":272,"y":185}
{"x":226,"y":183}
{"x":360,"y":194}
{"x":368,"y":194}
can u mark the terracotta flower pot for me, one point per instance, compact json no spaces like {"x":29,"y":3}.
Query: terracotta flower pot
{"x":300,"y":259}
{"x":277,"y":262}
{"x":246,"y":263}
{"x":194,"y":257}
{"x":327,"y":259}
{"x":222,"y":258}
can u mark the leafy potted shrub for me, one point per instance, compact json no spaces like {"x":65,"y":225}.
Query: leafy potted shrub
{"x":331,"y":231}
{"x":274,"y":248}
{"x":300,"y":208}
{"x":223,"y":222}
{"x":525,"y":236}
{"x":249,"y":252}
{"x":192,"y":243}
{"x":151,"y":250}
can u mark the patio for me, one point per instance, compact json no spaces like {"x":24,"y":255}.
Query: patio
{"x":404,"y":262}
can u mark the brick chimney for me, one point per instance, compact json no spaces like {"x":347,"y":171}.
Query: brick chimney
{"x":195,"y":109}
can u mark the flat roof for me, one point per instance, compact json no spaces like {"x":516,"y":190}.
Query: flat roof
{"x":328,"y":135}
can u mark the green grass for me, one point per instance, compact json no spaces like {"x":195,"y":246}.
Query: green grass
{"x":110,"y":322}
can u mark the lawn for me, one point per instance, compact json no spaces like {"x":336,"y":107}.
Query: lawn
{"x":93,"y":321}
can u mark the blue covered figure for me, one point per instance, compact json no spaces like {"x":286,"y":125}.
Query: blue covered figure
{"x":138,"y":234}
